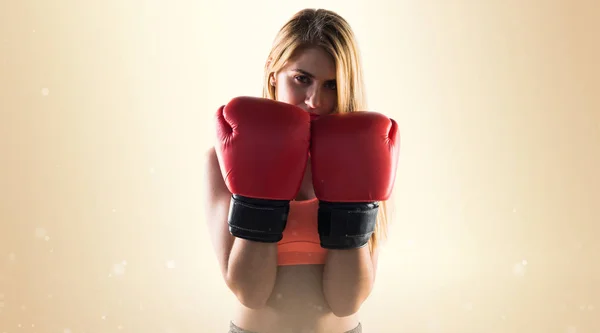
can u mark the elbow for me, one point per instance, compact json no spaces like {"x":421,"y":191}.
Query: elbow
{"x":346,"y":301}
{"x":251,"y":297}
{"x":251,"y":300}
{"x":345,"y":309}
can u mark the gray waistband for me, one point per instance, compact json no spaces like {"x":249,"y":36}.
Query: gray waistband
{"x":234,"y":329}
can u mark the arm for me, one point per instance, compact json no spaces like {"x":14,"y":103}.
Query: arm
{"x":351,"y":196}
{"x":249,"y":186}
{"x":349,"y":275}
{"x":248,"y":268}
{"x":348,"y":278}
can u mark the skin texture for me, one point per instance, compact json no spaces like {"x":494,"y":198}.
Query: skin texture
{"x":305,"y":298}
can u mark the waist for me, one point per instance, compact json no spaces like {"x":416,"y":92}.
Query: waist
{"x":276,"y":320}
{"x":296,"y":304}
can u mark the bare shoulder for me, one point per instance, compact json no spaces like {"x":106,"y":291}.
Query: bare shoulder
{"x":214,"y":192}
{"x":214,"y":185}
{"x":210,"y":159}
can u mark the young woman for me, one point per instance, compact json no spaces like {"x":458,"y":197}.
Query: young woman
{"x":297,"y":185}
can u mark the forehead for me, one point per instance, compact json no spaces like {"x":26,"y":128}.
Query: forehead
{"x":313,"y":60}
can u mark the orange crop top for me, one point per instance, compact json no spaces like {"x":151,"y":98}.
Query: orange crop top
{"x":300,"y":244}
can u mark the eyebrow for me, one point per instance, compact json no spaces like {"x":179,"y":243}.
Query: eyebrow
{"x":308,"y":74}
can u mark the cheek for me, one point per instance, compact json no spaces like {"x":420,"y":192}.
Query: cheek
{"x":331,"y":100}
{"x":328,"y":102}
{"x":289,"y":93}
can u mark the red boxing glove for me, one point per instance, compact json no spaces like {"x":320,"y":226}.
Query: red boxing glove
{"x":262,"y":150}
{"x":354,"y":157}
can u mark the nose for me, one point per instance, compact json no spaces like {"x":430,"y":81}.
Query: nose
{"x":314,"y":98}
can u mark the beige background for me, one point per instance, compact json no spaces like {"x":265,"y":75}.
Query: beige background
{"x":106,"y":108}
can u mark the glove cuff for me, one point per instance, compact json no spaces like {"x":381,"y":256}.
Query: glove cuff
{"x":258,"y":220}
{"x":346,"y":225}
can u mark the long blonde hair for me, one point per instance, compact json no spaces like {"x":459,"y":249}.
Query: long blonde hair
{"x":328,"y":30}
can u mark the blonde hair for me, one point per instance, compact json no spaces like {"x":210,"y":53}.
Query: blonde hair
{"x":329,"y":31}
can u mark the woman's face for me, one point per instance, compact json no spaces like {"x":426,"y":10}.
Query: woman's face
{"x":308,"y":81}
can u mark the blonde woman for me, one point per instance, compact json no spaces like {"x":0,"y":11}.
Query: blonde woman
{"x":297,"y":185}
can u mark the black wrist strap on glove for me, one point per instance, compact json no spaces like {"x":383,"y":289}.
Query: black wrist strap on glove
{"x":346,"y":225}
{"x":258,"y":220}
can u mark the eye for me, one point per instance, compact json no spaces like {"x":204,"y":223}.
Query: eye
{"x":331,"y":85}
{"x":302,"y":79}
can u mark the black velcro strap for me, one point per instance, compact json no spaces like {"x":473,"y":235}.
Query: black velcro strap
{"x":258,"y":220}
{"x":346,"y":225}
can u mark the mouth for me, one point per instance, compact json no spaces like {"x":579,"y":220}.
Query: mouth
{"x":313,"y":116}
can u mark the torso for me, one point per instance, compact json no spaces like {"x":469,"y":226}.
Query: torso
{"x":297,"y":304}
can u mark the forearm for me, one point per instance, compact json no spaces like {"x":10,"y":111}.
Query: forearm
{"x":347,"y":279}
{"x":251,"y":271}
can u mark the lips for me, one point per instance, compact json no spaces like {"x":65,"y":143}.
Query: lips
{"x":313,"y":116}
